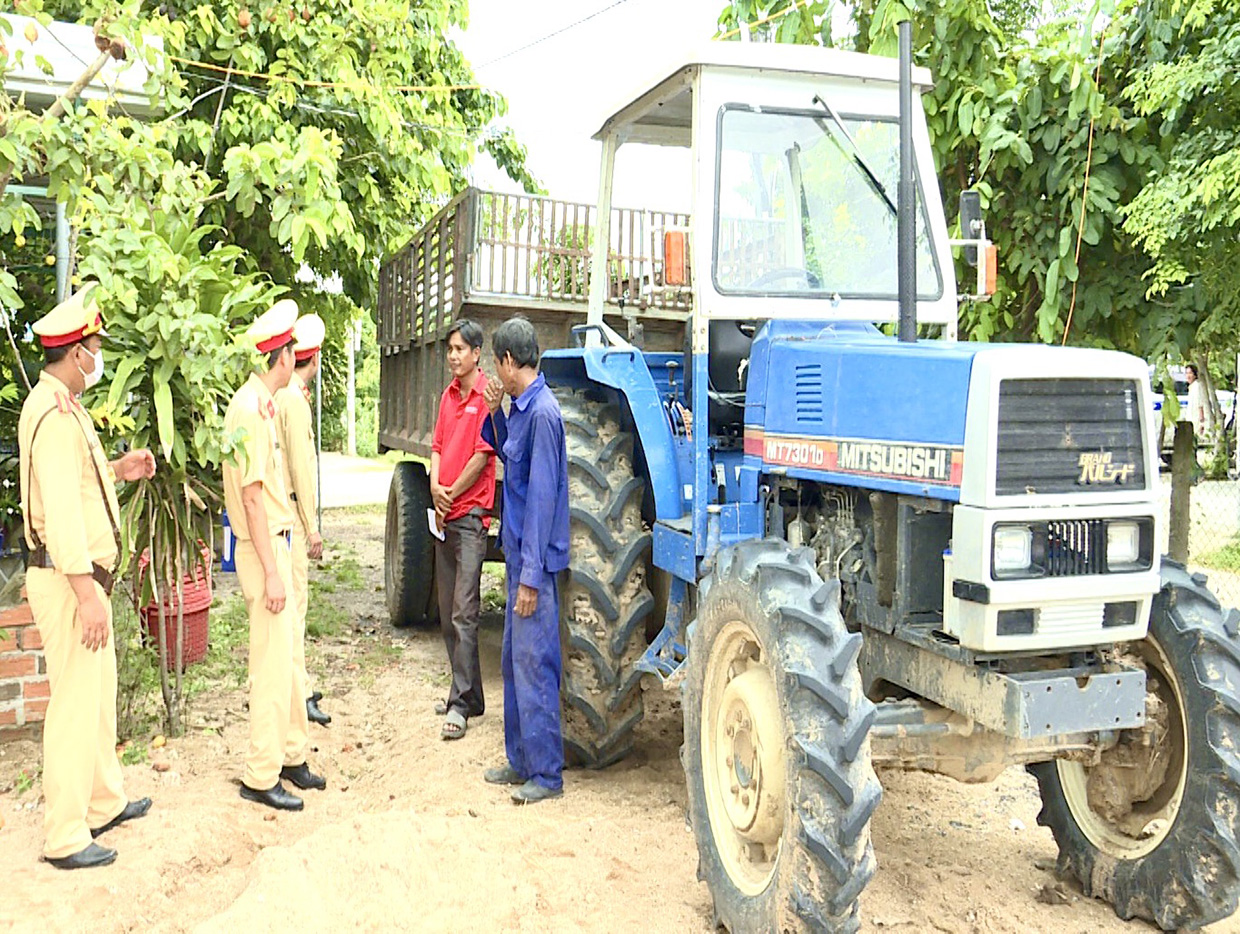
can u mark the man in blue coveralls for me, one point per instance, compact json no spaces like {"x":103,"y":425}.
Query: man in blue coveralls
{"x":534,"y":535}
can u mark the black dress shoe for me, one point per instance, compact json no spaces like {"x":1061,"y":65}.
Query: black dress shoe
{"x":314,"y":715}
{"x":93,"y":855}
{"x":303,"y":778}
{"x":274,"y":797}
{"x":316,"y":696}
{"x":133,"y":809}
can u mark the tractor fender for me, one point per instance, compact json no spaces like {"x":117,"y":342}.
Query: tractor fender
{"x":624,"y":370}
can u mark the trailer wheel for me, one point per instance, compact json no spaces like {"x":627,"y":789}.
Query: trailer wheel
{"x":1153,"y":827}
{"x":777,"y":751}
{"x":408,"y":549}
{"x":607,"y":600}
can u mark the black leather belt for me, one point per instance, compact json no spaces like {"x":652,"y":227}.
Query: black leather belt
{"x":39,"y":558}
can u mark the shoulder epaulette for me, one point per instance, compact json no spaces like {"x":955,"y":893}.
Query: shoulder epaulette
{"x":66,"y":403}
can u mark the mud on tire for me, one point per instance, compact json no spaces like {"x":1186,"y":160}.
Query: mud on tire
{"x":1172,"y":856}
{"x":606,"y":603}
{"x":765,"y":609}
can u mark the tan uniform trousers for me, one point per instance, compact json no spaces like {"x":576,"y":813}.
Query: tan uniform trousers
{"x":277,"y":694}
{"x":298,"y":736}
{"x":82,"y":784}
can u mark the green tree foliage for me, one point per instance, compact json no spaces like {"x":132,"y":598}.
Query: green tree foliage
{"x":1187,"y":216}
{"x":804,"y":22}
{"x":295,"y":140}
{"x":296,"y":145}
{"x":1086,"y":127}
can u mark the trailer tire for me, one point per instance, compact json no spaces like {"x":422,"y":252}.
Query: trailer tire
{"x":1166,"y":848}
{"x":606,"y":599}
{"x":777,"y":750}
{"x":408,"y":549}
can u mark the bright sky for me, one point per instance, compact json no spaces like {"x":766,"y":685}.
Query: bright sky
{"x":560,"y":91}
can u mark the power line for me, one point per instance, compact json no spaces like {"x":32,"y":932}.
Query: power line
{"x":552,"y":35}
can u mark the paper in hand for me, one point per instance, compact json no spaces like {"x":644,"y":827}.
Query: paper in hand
{"x":432,"y":520}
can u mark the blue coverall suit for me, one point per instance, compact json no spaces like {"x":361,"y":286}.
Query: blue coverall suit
{"x":534,"y":536}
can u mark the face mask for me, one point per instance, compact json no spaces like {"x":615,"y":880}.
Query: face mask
{"x":97,"y":373}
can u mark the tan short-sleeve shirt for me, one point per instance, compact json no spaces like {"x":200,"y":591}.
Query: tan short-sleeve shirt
{"x":259,"y":459}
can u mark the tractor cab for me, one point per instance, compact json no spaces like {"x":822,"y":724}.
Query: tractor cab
{"x":795,"y":161}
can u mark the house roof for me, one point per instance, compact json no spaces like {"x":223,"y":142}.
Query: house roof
{"x":43,"y":70}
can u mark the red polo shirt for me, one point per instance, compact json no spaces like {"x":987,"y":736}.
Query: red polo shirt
{"x":457,"y":438}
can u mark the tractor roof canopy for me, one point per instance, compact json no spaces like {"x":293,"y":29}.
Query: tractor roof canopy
{"x":662,"y":113}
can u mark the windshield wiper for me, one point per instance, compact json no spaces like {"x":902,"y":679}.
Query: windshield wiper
{"x":858,"y":159}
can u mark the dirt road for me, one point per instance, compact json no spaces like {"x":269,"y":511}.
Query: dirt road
{"x":408,"y":838}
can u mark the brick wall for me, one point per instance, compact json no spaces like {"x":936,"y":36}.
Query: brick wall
{"x":24,"y":689}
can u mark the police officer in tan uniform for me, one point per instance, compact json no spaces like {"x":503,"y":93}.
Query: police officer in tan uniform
{"x":71,"y":519}
{"x":259,"y":510}
{"x":297,"y":437}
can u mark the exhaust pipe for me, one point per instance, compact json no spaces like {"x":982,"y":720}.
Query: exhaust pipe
{"x":906,"y":195}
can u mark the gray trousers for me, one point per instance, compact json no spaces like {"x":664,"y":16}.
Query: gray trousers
{"x":458,"y":577}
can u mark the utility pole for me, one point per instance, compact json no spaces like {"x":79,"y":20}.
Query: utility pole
{"x":354,"y":340}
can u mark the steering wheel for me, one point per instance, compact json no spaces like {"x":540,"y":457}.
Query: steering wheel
{"x":786,"y":272}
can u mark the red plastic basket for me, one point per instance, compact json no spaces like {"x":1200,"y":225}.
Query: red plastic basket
{"x":196,"y":597}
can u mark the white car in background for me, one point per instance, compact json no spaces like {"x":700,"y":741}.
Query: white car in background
{"x":1226,"y":402}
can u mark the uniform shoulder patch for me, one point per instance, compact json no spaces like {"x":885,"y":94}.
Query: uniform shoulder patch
{"x":66,"y":403}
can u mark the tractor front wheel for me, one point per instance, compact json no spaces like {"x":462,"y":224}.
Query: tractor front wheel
{"x":777,"y":751}
{"x":1152,"y":828}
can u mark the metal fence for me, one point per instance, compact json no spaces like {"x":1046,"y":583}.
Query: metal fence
{"x":1213,"y":534}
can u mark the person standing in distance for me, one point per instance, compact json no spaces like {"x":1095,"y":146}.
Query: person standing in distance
{"x":1198,"y":411}
{"x":259,"y":507}
{"x":71,"y":519}
{"x":534,"y":533}
{"x":463,"y":490}
{"x":296,"y":423}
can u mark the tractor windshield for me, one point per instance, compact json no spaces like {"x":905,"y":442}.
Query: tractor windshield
{"x":799,"y":214}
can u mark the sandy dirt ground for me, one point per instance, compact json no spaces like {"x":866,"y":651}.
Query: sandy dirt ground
{"x":407,"y":837}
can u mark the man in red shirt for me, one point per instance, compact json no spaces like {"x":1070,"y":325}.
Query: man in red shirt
{"x":463,"y":489}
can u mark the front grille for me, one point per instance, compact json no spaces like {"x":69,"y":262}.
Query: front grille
{"x":1069,"y":436}
{"x":1075,"y":546}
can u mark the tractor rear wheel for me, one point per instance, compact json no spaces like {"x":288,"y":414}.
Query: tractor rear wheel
{"x":606,"y":602}
{"x":1153,"y":827}
{"x":777,"y":751}
{"x":408,"y":549}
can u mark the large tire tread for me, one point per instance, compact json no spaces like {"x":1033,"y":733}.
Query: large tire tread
{"x":607,"y":601}
{"x":826,"y":856}
{"x":409,"y":551}
{"x":1193,"y":877}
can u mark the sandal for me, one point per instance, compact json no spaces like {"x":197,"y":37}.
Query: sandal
{"x":441,"y":708}
{"x":454,"y":726}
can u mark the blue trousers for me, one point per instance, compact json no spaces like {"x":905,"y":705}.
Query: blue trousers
{"x":530,"y":662}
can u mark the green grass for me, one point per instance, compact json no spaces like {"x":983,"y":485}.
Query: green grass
{"x":495,"y":596}
{"x":324,"y":619}
{"x":1226,"y":558}
{"x":27,"y":780}
{"x":369,"y":509}
{"x":134,"y":754}
{"x":227,"y":651}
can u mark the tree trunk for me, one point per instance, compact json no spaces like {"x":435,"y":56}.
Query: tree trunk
{"x":1182,"y":462}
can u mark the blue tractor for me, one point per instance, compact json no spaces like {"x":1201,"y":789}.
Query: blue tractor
{"x":869,"y":549}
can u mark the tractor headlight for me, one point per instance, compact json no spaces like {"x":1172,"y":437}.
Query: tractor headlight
{"x":1013,"y":548}
{"x":1123,"y":545}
